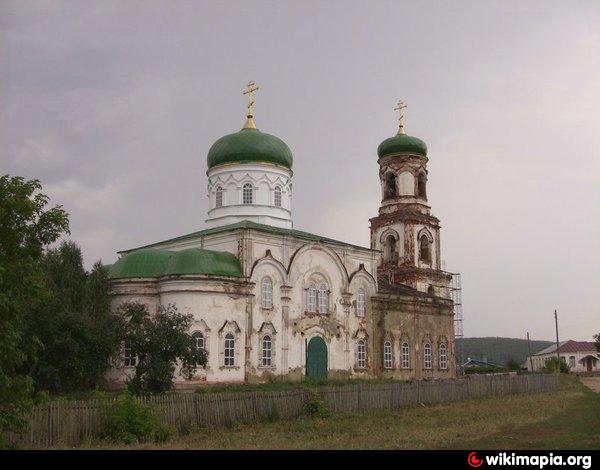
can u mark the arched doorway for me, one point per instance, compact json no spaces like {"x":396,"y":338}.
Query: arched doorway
{"x":316,"y":358}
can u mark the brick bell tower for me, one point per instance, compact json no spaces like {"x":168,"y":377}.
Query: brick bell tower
{"x":405,"y":230}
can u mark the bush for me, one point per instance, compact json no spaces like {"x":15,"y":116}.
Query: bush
{"x":129,"y":421}
{"x":551,"y":365}
{"x":315,"y":406}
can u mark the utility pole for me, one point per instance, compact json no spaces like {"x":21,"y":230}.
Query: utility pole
{"x":557,"y":351}
{"x":529,"y":348}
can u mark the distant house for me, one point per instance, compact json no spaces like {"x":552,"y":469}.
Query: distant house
{"x":580,"y":356}
{"x":478,"y":363}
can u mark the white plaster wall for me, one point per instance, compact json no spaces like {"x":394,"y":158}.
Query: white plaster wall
{"x":406,"y":184}
{"x":264,"y":179}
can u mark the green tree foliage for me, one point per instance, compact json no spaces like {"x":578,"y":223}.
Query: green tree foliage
{"x":551,"y":365}
{"x":160,"y":342}
{"x":128,"y":420}
{"x":513,"y":365}
{"x":78,"y":332}
{"x":27,"y":225}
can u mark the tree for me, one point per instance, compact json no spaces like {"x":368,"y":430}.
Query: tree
{"x":513,"y":365}
{"x":597,"y":339}
{"x":551,"y":365}
{"x":27,"y":225}
{"x":160,"y":342}
{"x":78,"y":332}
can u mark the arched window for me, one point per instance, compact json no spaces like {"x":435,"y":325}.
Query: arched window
{"x":247,"y":194}
{"x":431,"y":290}
{"x":387,"y":355}
{"x":361,"y":354}
{"x":360,"y":303}
{"x":405,"y":356}
{"x":323,"y":299}
{"x":421,"y":181}
{"x":390,"y":186}
{"x":229,"y":349}
{"x":427,"y":356}
{"x":311,"y":298}
{"x":129,"y":359}
{"x":390,"y":248}
{"x":219,"y":197}
{"x":277,"y":196}
{"x":425,"y":248}
{"x":443,"y":356}
{"x":266,"y":351}
{"x":199,"y":340}
{"x":267,"y":292}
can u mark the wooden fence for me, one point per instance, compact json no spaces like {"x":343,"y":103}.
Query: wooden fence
{"x":74,"y":422}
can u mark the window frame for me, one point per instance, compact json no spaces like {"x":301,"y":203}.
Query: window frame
{"x":323,"y":299}
{"x":405,"y":354}
{"x":266,"y":353}
{"x":311,"y":298}
{"x":247,"y":190}
{"x":361,"y":303}
{"x":277,"y":197}
{"x":129,"y":360}
{"x":229,"y":350}
{"x":427,"y":356}
{"x":266,"y":294}
{"x":443,"y":356}
{"x":219,"y":197}
{"x":388,"y":362}
{"x":361,"y":354}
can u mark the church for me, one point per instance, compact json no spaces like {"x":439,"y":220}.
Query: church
{"x":273,"y":302}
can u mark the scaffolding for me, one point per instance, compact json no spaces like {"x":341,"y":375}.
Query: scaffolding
{"x":456,"y":292}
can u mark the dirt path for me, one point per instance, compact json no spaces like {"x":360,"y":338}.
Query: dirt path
{"x":593,"y":383}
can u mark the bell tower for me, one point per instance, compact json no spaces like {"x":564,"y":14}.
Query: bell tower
{"x":405,"y":230}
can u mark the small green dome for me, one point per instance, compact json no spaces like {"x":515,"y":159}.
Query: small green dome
{"x":402,"y":143}
{"x":248,"y":146}
{"x":156,"y":263}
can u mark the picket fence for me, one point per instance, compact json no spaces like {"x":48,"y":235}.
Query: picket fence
{"x":73,"y":422}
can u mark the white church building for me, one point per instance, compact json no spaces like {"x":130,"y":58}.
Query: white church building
{"x":270,"y":301}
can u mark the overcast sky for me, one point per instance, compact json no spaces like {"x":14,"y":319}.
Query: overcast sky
{"x":114,"y":105}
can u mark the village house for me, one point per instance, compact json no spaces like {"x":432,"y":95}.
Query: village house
{"x":580,"y":356}
{"x":272,"y":301}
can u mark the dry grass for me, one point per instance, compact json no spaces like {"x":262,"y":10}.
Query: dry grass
{"x":566,"y":419}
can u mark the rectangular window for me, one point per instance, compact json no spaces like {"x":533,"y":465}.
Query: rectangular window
{"x":360,"y":304}
{"x":229,"y":350}
{"x":427,"y":356}
{"x":361,"y":355}
{"x":129,"y":360}
{"x":387,"y":355}
{"x":405,"y":356}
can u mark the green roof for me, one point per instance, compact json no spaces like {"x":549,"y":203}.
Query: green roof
{"x":402,"y":143}
{"x":249,"y":146}
{"x":150,"y":263}
{"x":247,"y":224}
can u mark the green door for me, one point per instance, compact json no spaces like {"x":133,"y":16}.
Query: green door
{"x":316,"y":359}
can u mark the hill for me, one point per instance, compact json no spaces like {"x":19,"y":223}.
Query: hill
{"x":497,"y":350}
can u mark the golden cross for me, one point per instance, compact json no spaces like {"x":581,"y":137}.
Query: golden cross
{"x":399,"y":107}
{"x":250,"y":88}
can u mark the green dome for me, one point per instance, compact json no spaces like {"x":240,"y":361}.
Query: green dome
{"x":249,"y":146}
{"x":156,"y":263}
{"x":402,"y":143}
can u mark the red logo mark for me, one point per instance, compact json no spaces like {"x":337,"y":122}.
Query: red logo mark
{"x":474,"y":461}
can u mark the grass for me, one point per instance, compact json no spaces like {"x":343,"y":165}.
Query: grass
{"x":566,"y":419}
